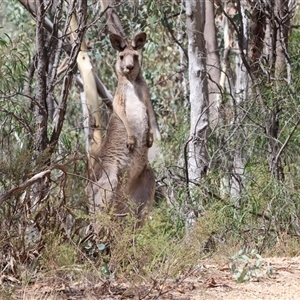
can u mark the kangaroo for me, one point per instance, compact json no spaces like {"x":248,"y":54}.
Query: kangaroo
{"x":121,"y":176}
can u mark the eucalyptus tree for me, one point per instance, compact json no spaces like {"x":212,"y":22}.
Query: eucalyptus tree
{"x":199,"y":121}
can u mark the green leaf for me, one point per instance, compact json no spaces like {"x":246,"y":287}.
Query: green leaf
{"x":241,"y":277}
{"x":101,"y":247}
{"x":245,"y":257}
{"x":104,"y":269}
{"x":87,"y":245}
{"x":153,"y":20}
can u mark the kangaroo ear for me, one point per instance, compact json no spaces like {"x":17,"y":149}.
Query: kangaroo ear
{"x":139,"y":41}
{"x":117,"y":42}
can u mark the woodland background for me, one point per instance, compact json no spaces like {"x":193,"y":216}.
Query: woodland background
{"x":224,"y":82}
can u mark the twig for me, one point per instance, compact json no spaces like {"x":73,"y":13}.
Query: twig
{"x":174,"y":38}
{"x":286,"y":141}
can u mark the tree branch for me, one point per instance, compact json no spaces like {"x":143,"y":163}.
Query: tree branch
{"x":112,"y":19}
{"x":174,"y":38}
{"x":101,"y":89}
{"x":4,"y":197}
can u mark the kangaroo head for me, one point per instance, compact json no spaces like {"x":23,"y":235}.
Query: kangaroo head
{"x":128,"y":58}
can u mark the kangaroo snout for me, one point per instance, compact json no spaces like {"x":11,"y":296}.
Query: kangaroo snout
{"x":128,"y":68}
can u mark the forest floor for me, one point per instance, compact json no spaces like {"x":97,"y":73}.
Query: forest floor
{"x":276,"y":278}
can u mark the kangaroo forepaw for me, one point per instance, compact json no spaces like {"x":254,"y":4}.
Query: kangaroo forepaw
{"x":130,"y":142}
{"x":150,"y":140}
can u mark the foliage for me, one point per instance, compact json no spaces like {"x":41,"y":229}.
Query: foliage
{"x":55,"y":237}
{"x":248,"y":265}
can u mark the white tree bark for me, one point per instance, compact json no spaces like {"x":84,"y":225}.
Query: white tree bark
{"x":91,"y":113}
{"x":198,"y":156}
{"x":213,"y":63}
{"x":237,"y":180}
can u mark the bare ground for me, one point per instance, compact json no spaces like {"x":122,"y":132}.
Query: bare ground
{"x":276,"y":278}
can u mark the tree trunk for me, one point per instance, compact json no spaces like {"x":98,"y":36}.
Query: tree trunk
{"x":41,"y":157}
{"x":237,"y":181}
{"x":91,"y":111}
{"x":282,"y":32}
{"x":46,"y":62}
{"x":212,"y":63}
{"x":279,"y":28}
{"x":198,"y":155}
{"x":41,"y":113}
{"x":257,"y":37}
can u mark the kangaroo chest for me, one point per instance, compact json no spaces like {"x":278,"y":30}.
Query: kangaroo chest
{"x":136,"y":112}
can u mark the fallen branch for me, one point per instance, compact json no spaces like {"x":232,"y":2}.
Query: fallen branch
{"x":23,"y":185}
{"x":37,"y":177}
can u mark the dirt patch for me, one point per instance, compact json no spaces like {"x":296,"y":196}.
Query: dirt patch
{"x":277,"y":278}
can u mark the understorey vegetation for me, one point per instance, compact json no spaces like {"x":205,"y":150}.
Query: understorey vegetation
{"x":226,"y":161}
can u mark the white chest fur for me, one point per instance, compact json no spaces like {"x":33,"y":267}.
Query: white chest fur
{"x":136,"y":112}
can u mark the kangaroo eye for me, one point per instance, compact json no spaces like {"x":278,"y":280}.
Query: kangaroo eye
{"x":136,"y":57}
{"x":121,"y":57}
